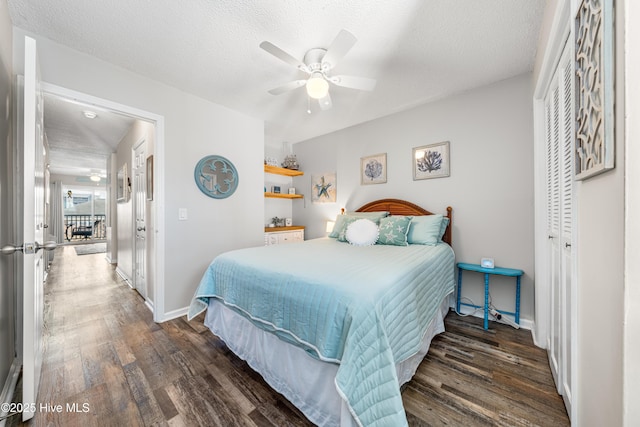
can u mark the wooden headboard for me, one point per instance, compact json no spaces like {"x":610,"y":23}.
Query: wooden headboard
{"x":402,"y":207}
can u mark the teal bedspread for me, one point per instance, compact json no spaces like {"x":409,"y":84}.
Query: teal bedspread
{"x":366,"y":308}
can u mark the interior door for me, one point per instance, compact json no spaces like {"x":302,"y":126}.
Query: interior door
{"x":140,"y":212}
{"x":30,"y":124}
{"x":553,"y":230}
{"x":559,"y":119}
{"x":567,"y":257}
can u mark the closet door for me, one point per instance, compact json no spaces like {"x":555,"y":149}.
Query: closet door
{"x":566,"y":227}
{"x":552,"y":119}
{"x":559,"y":119}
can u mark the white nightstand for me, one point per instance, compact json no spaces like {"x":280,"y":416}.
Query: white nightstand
{"x":282,"y":235}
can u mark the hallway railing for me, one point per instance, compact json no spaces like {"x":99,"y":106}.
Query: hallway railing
{"x":79,"y":227}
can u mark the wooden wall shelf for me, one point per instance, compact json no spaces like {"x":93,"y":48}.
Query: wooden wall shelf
{"x":290,"y":228}
{"x":283,"y":196}
{"x":282,"y":171}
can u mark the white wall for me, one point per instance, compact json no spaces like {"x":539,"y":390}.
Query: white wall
{"x":631,"y":337}
{"x":193,"y":128}
{"x":490,"y":130}
{"x":599,"y":249}
{"x":601,"y":261}
{"x":281,"y":208}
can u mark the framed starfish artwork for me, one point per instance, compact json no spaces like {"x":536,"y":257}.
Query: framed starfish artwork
{"x":323,"y":188}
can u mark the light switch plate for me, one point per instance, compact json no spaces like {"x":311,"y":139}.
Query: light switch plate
{"x":182,"y":214}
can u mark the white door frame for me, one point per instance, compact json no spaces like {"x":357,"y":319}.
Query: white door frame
{"x":30,"y":227}
{"x":157,"y":210}
{"x":558,"y":35}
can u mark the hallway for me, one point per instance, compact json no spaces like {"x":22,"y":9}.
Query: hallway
{"x":107,"y":363}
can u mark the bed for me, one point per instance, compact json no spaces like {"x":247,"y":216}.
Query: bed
{"x":335,"y":327}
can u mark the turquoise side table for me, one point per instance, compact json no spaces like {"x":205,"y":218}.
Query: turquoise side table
{"x":511,"y":272}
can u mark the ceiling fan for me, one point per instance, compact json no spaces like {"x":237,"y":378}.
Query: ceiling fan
{"x":318,"y":64}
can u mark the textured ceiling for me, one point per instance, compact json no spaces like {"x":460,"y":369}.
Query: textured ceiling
{"x":78,"y":145}
{"x":417,"y":50}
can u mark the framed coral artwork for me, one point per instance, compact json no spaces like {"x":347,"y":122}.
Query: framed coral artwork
{"x":431,"y":161}
{"x":373,"y":169}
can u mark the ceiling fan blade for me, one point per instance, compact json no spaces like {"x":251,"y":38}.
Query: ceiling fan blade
{"x":284,"y":56}
{"x":343,"y":42}
{"x":352,"y":82}
{"x":287,"y":87}
{"x":325,"y":103}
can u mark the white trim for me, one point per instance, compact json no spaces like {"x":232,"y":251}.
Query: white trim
{"x":527,"y":324}
{"x":159,"y":197}
{"x":149,"y":304}
{"x":174,"y":314}
{"x":560,"y":30}
{"x":124,"y":277}
{"x":541,"y":267}
{"x":560,"y":34}
{"x":9,"y":387}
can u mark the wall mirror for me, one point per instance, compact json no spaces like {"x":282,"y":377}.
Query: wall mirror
{"x":216,"y":177}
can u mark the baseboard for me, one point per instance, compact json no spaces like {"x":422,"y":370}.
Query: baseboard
{"x":479,"y":313}
{"x":174,"y":314}
{"x":149,"y":304}
{"x":9,"y":387}
{"x":124,"y":277}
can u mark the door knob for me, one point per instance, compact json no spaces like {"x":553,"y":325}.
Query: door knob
{"x":47,"y":246}
{"x":30,"y":248}
{"x":141,"y":228}
{"x":9,"y":249}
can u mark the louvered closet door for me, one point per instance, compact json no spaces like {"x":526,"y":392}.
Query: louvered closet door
{"x":559,"y":118}
{"x":553,"y":227}
{"x":566,"y":225}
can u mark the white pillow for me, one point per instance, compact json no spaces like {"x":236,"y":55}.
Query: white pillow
{"x":362,"y":232}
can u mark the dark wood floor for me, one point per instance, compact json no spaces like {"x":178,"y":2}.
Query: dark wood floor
{"x":104,"y":354}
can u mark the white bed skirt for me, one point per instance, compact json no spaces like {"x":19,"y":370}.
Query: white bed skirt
{"x":305,"y":381}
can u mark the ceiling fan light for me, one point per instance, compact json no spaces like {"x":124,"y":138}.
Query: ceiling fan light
{"x":317,"y":86}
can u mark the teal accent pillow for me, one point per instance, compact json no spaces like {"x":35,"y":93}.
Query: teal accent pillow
{"x":340,"y":226}
{"x":426,"y":230}
{"x":394,"y":230}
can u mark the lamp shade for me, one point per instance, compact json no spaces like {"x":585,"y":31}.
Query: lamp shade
{"x":330,"y":225}
{"x":317,"y":86}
